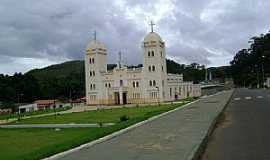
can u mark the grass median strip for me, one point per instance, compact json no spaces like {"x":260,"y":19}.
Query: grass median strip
{"x":35,"y":113}
{"x":40,"y":143}
{"x":98,"y":116}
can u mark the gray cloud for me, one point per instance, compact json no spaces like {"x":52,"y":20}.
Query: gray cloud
{"x":206,"y":31}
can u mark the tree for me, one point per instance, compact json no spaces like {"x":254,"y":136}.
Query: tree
{"x":250,"y":65}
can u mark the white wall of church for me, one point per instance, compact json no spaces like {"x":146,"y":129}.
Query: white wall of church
{"x":147,"y":84}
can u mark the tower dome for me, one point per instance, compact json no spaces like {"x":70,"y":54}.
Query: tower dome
{"x":152,"y":36}
{"x":94,"y":44}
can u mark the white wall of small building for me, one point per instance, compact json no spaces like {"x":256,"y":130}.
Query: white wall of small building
{"x":267,"y":83}
{"x":28,"y":108}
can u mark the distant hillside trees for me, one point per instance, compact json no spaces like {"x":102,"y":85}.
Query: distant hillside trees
{"x":67,"y":80}
{"x":64,"y":81}
{"x":18,"y":88}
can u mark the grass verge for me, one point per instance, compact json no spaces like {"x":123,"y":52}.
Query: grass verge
{"x":14,"y":115}
{"x":28,"y":144}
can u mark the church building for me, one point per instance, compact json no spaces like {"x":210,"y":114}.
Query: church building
{"x":149,"y":83}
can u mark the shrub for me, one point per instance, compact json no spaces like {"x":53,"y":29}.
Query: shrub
{"x":124,"y":118}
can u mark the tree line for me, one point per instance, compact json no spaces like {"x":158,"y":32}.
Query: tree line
{"x":67,"y":81}
{"x":251,"y":66}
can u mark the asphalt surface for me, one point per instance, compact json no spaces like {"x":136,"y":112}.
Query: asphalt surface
{"x":175,"y":136}
{"x":244,"y":131}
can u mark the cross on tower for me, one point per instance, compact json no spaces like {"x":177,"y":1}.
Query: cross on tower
{"x":152,"y":26}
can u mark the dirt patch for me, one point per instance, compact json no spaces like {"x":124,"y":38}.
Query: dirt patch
{"x":224,"y":121}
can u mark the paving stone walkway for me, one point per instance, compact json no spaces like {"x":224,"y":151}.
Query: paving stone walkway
{"x":175,"y":136}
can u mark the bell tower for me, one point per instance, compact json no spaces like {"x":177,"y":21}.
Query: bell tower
{"x":95,"y":64}
{"x":155,"y":68}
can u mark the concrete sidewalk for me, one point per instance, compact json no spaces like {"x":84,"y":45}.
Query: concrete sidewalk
{"x":177,"y":135}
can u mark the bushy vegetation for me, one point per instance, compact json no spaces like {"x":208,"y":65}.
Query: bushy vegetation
{"x":124,"y":118}
{"x":250,"y":66}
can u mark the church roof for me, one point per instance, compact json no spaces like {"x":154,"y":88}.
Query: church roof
{"x":94,"y":44}
{"x":152,"y":36}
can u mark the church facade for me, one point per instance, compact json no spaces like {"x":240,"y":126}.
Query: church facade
{"x":124,"y":85}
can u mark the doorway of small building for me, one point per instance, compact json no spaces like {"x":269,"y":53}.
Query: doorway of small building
{"x":124,"y":98}
{"x":116,"y":98}
{"x":22,"y":110}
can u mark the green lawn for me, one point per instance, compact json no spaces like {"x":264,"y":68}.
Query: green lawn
{"x":13,"y":115}
{"x":31,"y":144}
{"x":103,"y":116}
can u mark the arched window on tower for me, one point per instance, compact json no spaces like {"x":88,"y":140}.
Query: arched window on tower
{"x":153,"y":68}
{"x":153,"y":53}
{"x":94,"y":73}
{"x":90,"y":73}
{"x":149,"y":53}
{"x":91,"y":86}
{"x":150,"y":83}
{"x":134,"y":85}
{"x":149,"y":68}
{"x":137,"y":84}
{"x":162,"y":68}
{"x":121,"y":83}
{"x":154,"y":83}
{"x":93,"y":60}
{"x":161,"y":54}
{"x":90,"y":60}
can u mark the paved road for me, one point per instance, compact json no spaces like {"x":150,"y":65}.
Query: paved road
{"x":175,"y":136}
{"x":244,"y":133}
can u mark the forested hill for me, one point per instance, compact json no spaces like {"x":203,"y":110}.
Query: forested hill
{"x":193,"y":72}
{"x":67,"y":80}
{"x":58,"y":70}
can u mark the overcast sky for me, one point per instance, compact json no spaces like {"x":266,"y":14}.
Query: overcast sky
{"x":37,"y":33}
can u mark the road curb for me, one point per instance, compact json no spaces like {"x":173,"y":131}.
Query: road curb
{"x":198,"y":152}
{"x":117,"y":133}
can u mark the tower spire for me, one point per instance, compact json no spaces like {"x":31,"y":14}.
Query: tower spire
{"x":152,"y":26}
{"x":120,"y":62}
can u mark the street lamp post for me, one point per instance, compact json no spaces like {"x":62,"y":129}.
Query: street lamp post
{"x":54,"y":109}
{"x":257,"y":75}
{"x":18,"y":104}
{"x":263,"y":71}
{"x":206,"y":74}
